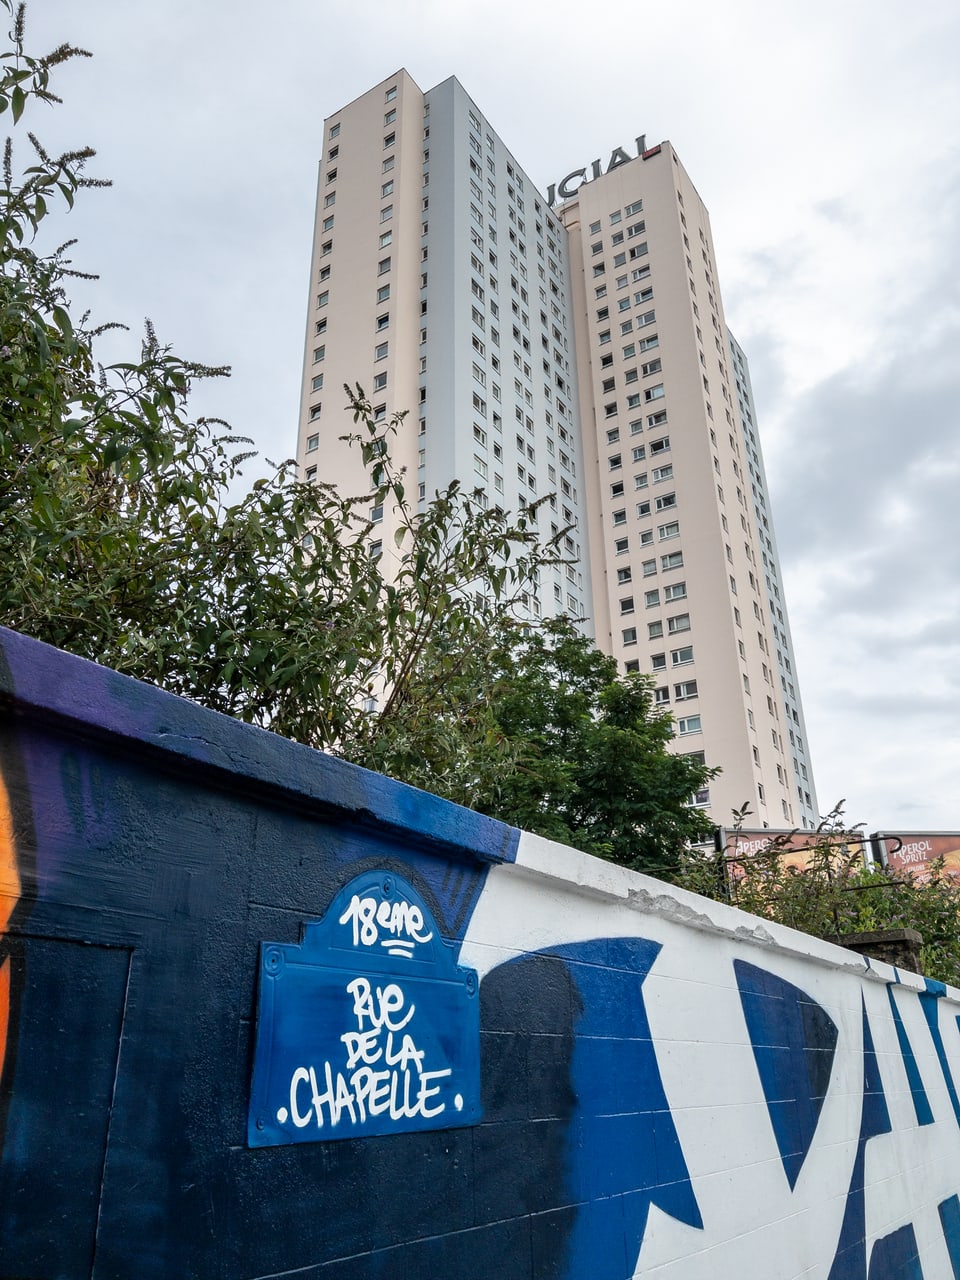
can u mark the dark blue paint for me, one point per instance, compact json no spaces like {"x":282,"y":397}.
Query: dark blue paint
{"x":794,"y":1041}
{"x":895,"y":1257}
{"x":623,"y":1152}
{"x":850,"y":1260}
{"x":921,"y":1103}
{"x":149,"y":828}
{"x":928,"y":999}
{"x":51,"y":685}
{"x":949,"y":1210}
{"x":372,"y":1014}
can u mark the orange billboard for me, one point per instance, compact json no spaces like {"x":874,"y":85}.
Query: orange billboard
{"x":915,"y":851}
{"x":794,"y":847}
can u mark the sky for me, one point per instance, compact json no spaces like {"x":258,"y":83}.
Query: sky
{"x":824,"y":139}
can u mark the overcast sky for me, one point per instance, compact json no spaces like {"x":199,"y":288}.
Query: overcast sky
{"x":823,"y":138}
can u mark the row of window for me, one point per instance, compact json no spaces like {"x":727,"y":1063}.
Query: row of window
{"x":681,"y":657}
{"x":618,"y":215}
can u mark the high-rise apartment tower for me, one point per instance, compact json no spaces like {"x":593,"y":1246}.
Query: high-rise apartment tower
{"x":577,"y":353}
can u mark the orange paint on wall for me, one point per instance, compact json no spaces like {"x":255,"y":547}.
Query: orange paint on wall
{"x":9,"y":896}
{"x":9,"y":875}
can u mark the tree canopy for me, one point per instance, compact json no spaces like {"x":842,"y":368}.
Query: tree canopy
{"x":120,"y":540}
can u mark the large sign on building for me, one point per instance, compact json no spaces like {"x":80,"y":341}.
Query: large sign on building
{"x":568,"y":186}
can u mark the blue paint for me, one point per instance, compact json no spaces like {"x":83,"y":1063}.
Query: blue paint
{"x":367,"y":1027}
{"x":104,"y":704}
{"x":950,"y":1222}
{"x":928,"y":999}
{"x":623,"y":1151}
{"x":850,"y":1260}
{"x":794,"y":1041}
{"x":895,"y":1257}
{"x":921,"y":1104}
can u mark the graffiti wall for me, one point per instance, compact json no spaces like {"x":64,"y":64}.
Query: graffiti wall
{"x":263,"y":1014}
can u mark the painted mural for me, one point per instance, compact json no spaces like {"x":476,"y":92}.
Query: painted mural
{"x":265,"y":1015}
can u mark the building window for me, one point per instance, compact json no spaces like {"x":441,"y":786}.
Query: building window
{"x":386,"y":213}
{"x":334,"y":131}
{"x":661,"y":695}
{"x":383,"y":266}
{"x":319,"y":353}
{"x":679,"y":622}
{"x":385,"y":239}
{"x":651,"y":599}
{"x":629,"y":635}
{"x":666,"y":501}
{"x":675,"y":591}
{"x":315,"y":410}
{"x":687,"y":689}
{"x":389,"y":141}
{"x":313,"y":443}
{"x":626,"y":604}
{"x":680,"y":657}
{"x":658,"y":661}
{"x":380,"y":351}
{"x":619,"y":517}
{"x":391,"y":94}
{"x":688,"y":724}
{"x":654,"y":630}
{"x":379,"y":381}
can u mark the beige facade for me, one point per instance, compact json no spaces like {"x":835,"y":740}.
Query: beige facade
{"x":676,"y":529}
{"x":439,"y":284}
{"x":578,"y":353}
